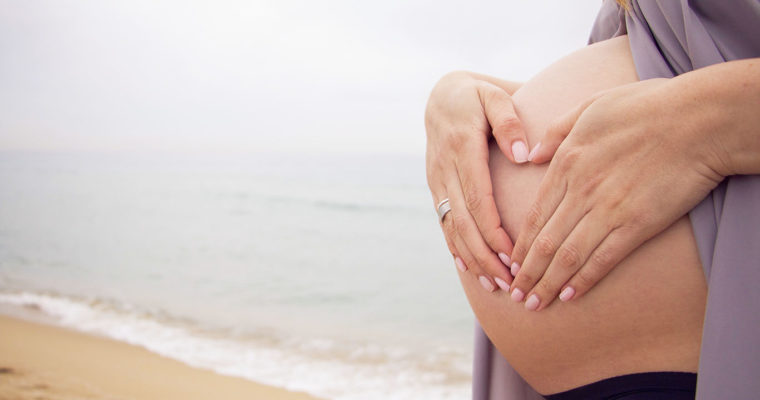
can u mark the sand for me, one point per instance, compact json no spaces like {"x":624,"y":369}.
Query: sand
{"x":43,"y":362}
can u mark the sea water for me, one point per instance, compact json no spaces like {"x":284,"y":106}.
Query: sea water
{"x":320,"y":273}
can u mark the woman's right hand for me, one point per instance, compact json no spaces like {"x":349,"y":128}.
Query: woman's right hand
{"x":463,"y":112}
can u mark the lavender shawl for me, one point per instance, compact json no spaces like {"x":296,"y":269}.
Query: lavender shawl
{"x":668,"y":38}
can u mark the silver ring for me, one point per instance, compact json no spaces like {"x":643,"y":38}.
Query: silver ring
{"x":443,"y":208}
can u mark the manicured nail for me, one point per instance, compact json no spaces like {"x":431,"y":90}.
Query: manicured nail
{"x":532,"y":303}
{"x":519,"y":151}
{"x":505,"y":259}
{"x":534,"y":151}
{"x":567,"y":294}
{"x":517,"y":295}
{"x":503,"y":285}
{"x":460,"y":264}
{"x":487,"y":285}
{"x":515,"y":268}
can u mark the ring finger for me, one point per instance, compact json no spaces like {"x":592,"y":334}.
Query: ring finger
{"x":482,"y":260}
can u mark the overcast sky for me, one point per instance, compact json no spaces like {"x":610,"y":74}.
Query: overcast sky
{"x":248,"y":76}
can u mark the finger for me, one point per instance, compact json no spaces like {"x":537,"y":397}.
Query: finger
{"x":477,"y":188}
{"x":615,"y":247}
{"x":450,"y":244}
{"x":462,"y":256}
{"x":465,"y":258}
{"x":505,"y":125}
{"x":438,"y":191}
{"x":484,"y":262}
{"x":550,"y":194}
{"x":544,"y":150}
{"x":569,"y":258}
{"x":458,"y":249}
{"x":543,"y":250}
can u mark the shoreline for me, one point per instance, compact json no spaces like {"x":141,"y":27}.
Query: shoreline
{"x":45,"y":361}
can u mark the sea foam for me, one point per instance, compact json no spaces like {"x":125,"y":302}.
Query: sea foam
{"x":323,"y":367}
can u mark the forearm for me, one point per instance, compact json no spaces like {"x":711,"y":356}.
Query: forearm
{"x":508,"y":86}
{"x":724,"y":100}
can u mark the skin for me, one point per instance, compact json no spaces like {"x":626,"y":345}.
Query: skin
{"x":625,"y":164}
{"x":629,"y":162}
{"x":464,"y":110}
{"x":630,"y":322}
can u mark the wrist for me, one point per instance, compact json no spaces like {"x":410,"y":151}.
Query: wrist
{"x":721,"y":102}
{"x":464,"y":77}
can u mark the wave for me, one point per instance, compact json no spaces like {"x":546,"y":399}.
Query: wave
{"x":323,"y":367}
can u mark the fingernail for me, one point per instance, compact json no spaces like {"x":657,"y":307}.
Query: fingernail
{"x":503,"y":285}
{"x":567,"y":294}
{"x":487,"y":285}
{"x":460,"y":264}
{"x":515,"y":268}
{"x":534,"y":151}
{"x":532,"y":303}
{"x":517,"y":295}
{"x":519,"y":151}
{"x":505,"y":259}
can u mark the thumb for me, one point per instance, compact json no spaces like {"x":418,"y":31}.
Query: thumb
{"x":556,"y":133}
{"x":505,"y":125}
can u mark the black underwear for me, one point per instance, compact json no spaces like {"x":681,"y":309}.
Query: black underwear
{"x":644,"y":386}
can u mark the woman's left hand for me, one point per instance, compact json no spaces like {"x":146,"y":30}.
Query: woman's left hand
{"x":628,"y":164}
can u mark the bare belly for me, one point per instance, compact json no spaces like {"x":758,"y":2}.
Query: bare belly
{"x":646,"y":315}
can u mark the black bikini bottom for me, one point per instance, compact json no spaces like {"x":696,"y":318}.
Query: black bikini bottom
{"x":644,"y":386}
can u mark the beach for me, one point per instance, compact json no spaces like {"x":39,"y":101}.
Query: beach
{"x":46,"y":362}
{"x":251,"y":268}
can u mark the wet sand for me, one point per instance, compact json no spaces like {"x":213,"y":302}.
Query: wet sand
{"x":43,"y":362}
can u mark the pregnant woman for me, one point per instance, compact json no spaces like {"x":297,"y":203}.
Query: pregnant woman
{"x":667,"y":143}
{"x":621,"y":327}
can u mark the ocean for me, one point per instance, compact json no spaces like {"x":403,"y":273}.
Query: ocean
{"x":320,"y":273}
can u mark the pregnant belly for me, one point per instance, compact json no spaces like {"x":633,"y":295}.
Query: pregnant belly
{"x":645,"y":315}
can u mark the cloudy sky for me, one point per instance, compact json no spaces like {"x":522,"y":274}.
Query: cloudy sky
{"x":256,"y":75}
